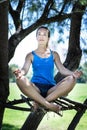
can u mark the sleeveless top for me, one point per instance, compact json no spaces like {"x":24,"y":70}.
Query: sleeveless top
{"x":43,"y":69}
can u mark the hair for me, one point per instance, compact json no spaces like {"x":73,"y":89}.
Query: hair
{"x":43,"y":28}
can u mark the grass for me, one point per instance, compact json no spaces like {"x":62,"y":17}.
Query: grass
{"x":13,"y":120}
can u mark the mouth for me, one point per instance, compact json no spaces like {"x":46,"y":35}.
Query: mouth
{"x":41,"y":40}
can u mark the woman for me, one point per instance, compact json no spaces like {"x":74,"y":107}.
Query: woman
{"x":42,"y":88}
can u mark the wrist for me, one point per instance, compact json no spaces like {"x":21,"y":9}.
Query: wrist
{"x":22,"y":72}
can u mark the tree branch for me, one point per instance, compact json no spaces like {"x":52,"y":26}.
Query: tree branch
{"x":16,"y":14}
{"x":20,"y":35}
{"x":20,"y":5}
{"x":47,"y":8}
{"x":74,"y":51}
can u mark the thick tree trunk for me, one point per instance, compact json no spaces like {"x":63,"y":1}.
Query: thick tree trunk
{"x":33,"y":120}
{"x":74,"y":51}
{"x":3,"y":56}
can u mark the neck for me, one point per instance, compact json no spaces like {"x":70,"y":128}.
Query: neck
{"x":42,"y":49}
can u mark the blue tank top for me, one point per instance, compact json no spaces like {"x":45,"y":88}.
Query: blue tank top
{"x":43,"y":69}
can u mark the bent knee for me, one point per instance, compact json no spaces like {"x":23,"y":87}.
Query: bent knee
{"x":22,"y":81}
{"x":71,"y":79}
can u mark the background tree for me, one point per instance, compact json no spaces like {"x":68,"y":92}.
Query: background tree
{"x":4,"y":82}
{"x":55,"y":14}
{"x":83,"y":79}
{"x":11,"y":76}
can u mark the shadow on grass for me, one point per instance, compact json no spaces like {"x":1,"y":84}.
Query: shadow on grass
{"x":9,"y":127}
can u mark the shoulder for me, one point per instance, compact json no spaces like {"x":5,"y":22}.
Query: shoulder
{"x":29,"y":56}
{"x":55,"y":55}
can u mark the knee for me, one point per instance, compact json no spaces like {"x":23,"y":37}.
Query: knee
{"x":22,"y":81}
{"x":71,"y":79}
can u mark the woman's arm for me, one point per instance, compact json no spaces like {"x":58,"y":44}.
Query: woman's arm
{"x":20,"y":72}
{"x":64,"y":70}
{"x":27,"y":63}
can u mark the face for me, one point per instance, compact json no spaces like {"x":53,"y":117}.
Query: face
{"x":42,"y":36}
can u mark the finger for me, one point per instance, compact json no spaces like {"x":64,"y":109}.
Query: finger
{"x":17,"y":71}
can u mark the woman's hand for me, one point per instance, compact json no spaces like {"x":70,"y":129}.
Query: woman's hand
{"x":77,"y":74}
{"x":18,"y":73}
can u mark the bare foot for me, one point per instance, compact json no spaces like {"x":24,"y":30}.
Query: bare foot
{"x":52,"y":106}
{"x":55,"y":107}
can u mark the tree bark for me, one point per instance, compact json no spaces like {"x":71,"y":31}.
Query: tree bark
{"x":74,"y":51}
{"x":4,"y":84}
{"x":33,"y":120}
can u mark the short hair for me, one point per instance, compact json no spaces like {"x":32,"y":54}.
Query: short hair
{"x":44,"y":28}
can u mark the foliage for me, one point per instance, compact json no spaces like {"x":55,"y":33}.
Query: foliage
{"x":12,"y":67}
{"x":83,"y":2}
{"x":34,"y":10}
{"x":83,"y":78}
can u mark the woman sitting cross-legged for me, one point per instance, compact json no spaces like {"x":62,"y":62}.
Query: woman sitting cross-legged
{"x":42,"y":87}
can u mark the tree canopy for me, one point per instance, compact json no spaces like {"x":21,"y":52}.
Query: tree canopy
{"x":26,"y":15}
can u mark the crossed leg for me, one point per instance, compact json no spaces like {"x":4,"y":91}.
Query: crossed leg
{"x":31,"y":91}
{"x":62,"y":88}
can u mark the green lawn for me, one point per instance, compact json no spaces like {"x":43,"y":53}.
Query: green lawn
{"x":13,"y":120}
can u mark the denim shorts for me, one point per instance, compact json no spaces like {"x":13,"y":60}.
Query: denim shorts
{"x":43,"y":88}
